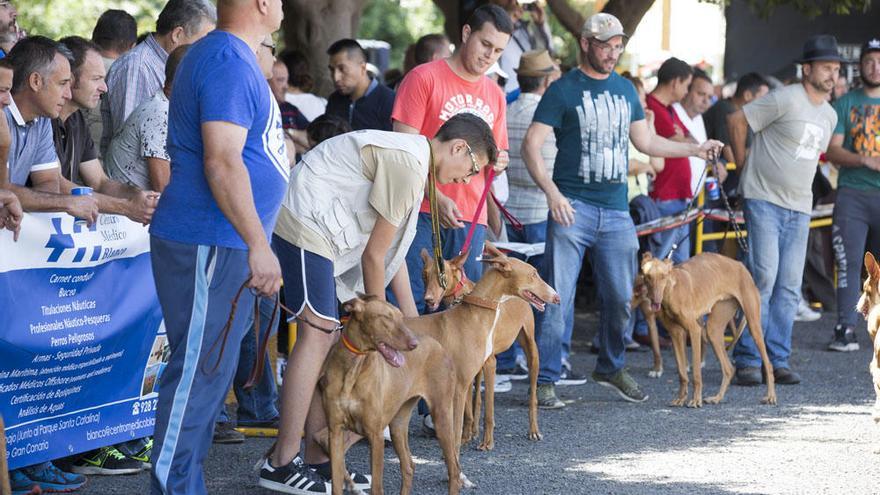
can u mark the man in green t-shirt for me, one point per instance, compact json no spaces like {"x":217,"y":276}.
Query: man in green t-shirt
{"x":855,"y":148}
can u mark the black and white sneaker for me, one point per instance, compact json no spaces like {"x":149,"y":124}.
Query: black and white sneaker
{"x":518,"y":372}
{"x":296,"y":477}
{"x":568,"y":377}
{"x":361,"y":481}
{"x":844,"y":339}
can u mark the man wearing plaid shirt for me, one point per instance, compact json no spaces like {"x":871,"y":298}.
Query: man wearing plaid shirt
{"x":139,"y":74}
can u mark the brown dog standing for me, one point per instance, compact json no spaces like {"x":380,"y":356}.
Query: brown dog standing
{"x":869,"y":307}
{"x":368,"y":383}
{"x":705,"y":284}
{"x":517,"y":322}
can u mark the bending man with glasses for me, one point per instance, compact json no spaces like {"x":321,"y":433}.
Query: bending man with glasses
{"x":594,"y":113}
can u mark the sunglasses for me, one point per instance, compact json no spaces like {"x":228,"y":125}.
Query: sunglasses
{"x":475,"y":169}
{"x":270,"y":47}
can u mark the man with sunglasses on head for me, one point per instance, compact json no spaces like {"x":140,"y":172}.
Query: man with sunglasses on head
{"x":594,"y":113}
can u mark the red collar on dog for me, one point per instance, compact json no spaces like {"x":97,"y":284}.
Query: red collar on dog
{"x":351,"y":348}
{"x":462,"y":280}
{"x":480,"y":302}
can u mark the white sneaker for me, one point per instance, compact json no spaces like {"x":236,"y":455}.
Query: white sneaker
{"x":502,"y":385}
{"x":386,"y":433}
{"x":280,"y":367}
{"x":806,"y":313}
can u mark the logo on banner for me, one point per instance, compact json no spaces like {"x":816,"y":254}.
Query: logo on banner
{"x":60,"y":241}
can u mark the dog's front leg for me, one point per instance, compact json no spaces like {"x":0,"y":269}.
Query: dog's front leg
{"x":337,"y":456}
{"x":377,"y":458}
{"x":695,"y":332}
{"x":488,"y":442}
{"x":678,"y":345}
{"x":651,"y":320}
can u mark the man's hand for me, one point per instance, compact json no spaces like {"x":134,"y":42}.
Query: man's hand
{"x":710,"y":150}
{"x":872,"y":162}
{"x":84,"y":207}
{"x":142,"y":206}
{"x":10,"y":213}
{"x":560,"y":209}
{"x":265,"y":270}
{"x":501,"y":162}
{"x":449,"y":214}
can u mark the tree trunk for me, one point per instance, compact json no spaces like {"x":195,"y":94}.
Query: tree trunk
{"x":311,"y":26}
{"x":452,"y":18}
{"x":630,"y":13}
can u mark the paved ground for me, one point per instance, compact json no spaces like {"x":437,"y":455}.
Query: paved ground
{"x":819,"y":439}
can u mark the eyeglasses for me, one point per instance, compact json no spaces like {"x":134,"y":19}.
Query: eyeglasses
{"x":607,"y":47}
{"x":271,"y":47}
{"x":475,"y":169}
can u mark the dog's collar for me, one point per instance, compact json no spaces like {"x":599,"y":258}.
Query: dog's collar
{"x":462,"y":281}
{"x":351,"y":348}
{"x":480,"y":302}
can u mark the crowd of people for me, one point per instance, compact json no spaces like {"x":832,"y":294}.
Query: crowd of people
{"x":247,"y":178}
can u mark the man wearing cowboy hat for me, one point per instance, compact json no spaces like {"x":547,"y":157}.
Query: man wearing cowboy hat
{"x":792,"y":126}
{"x":526,"y":201}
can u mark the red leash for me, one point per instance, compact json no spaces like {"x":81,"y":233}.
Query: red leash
{"x":514,"y":222}
{"x":470,"y":235}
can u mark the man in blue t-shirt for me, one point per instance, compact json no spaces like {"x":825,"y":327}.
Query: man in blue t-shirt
{"x":210,"y":233}
{"x":594,"y":113}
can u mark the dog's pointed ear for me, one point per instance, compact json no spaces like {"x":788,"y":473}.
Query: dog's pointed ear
{"x":426,"y":258}
{"x":871,"y":265}
{"x":491,"y":249}
{"x":500,"y":263}
{"x":354,"y":306}
{"x":460,"y":260}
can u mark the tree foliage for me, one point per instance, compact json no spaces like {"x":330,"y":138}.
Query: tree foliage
{"x":58,"y":18}
{"x":400,"y":23}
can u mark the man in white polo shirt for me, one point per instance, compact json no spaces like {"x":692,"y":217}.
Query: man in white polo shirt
{"x":690,"y":111}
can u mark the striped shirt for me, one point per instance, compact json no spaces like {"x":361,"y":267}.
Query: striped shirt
{"x":134,"y":78}
{"x":526,"y":202}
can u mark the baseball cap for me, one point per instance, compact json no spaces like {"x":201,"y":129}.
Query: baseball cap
{"x":603,"y":27}
{"x":872,"y":45}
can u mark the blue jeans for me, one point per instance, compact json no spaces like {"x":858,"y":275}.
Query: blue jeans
{"x":610,"y":238}
{"x":451,"y":241}
{"x":530,"y":234}
{"x":777,"y":240}
{"x":677,"y":235}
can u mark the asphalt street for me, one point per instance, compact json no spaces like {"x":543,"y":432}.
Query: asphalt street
{"x":819,"y":439}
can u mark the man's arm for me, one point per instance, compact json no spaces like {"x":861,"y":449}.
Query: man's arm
{"x":5,"y":143}
{"x":653,"y":145}
{"x":83,"y":207}
{"x":560,"y":207}
{"x":402,"y":290}
{"x":230,"y":185}
{"x":843,"y":157}
{"x":113,"y":196}
{"x":738,"y":130}
{"x":159,"y":171}
{"x":373,"y":258}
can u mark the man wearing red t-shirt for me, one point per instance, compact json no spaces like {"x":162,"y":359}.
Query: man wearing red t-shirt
{"x":427,"y":97}
{"x":672,"y":186}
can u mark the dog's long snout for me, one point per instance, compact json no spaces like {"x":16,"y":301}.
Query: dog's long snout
{"x":555,"y":299}
{"x":413,"y":343}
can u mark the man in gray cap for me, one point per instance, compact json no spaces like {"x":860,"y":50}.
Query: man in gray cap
{"x":855,"y":148}
{"x":594,"y":113}
{"x":792,"y":127}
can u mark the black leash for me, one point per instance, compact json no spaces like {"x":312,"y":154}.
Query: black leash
{"x":731,"y":216}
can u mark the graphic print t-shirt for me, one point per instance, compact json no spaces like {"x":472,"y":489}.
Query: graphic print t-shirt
{"x":858,"y":119}
{"x":429,"y":96}
{"x":219,"y":80}
{"x":591,"y":119}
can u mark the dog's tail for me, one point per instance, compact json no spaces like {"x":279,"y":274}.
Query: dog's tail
{"x":736,"y":331}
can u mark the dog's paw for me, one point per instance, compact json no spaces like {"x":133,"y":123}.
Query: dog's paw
{"x":695,"y":402}
{"x":655,"y":373}
{"x":769,"y":400}
{"x":678,"y":401}
{"x":465,"y":482}
{"x":715,"y":399}
{"x":535,"y":436}
{"x":486,"y":445}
